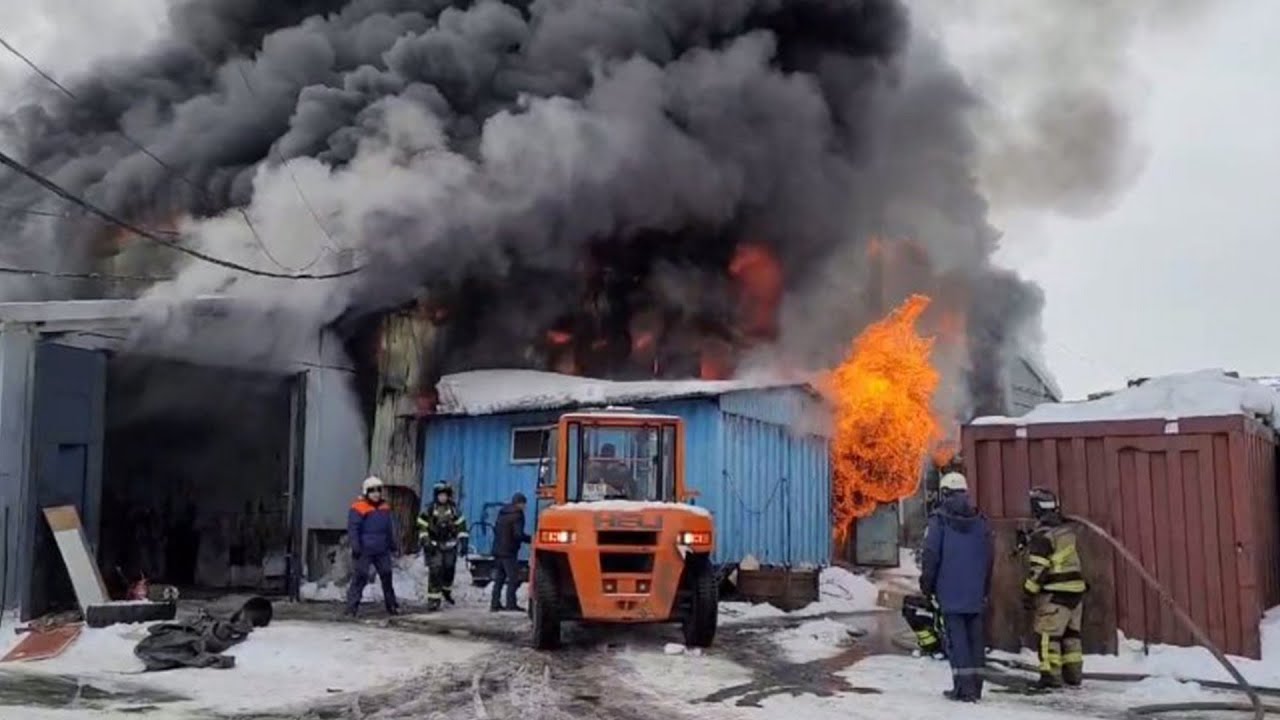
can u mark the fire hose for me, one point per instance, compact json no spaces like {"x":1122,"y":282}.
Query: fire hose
{"x":1256,"y":706}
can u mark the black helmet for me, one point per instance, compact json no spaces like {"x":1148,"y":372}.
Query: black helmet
{"x":1043,"y":502}
{"x":442,"y":487}
{"x":519,"y":499}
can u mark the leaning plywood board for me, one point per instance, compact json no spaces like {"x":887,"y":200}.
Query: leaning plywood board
{"x":74,"y":547}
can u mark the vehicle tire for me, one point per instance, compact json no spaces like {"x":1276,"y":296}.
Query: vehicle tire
{"x":544,"y":607}
{"x":704,"y":605}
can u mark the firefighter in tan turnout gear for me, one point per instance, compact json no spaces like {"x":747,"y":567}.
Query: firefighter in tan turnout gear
{"x":1055,"y":589}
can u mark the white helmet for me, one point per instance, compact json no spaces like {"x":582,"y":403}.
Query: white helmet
{"x":953,"y":482}
{"x":370,"y":484}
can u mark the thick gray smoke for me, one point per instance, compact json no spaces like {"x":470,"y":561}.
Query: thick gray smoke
{"x":517,"y":162}
{"x":1060,"y":92}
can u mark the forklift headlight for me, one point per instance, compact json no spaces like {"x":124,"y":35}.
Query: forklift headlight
{"x":555,"y":537}
{"x":694,"y":538}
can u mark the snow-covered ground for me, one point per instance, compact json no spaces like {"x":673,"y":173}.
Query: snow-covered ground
{"x":839,"y":592}
{"x":281,"y":665}
{"x":410,"y":581}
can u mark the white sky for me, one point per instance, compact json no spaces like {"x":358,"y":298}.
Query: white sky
{"x":1180,"y":275}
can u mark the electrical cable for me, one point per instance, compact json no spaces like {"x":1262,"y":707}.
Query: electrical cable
{"x":67,"y":195}
{"x":6,"y":270}
{"x":173,"y":171}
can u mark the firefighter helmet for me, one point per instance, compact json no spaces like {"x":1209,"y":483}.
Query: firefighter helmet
{"x":370,"y":484}
{"x":1043,"y":502}
{"x":953,"y":482}
{"x":442,"y":487}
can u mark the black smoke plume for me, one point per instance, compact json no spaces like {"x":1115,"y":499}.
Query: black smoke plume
{"x":586,"y":168}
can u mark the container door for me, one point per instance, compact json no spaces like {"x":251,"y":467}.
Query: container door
{"x":66,"y":455}
{"x":876,"y":539}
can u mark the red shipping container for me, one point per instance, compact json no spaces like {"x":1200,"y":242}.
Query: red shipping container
{"x":1195,"y":499}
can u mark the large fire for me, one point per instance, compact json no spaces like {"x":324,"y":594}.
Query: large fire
{"x":885,"y":423}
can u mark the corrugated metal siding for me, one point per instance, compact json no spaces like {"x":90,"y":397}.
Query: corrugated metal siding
{"x":1198,"y":506}
{"x":736,"y":463}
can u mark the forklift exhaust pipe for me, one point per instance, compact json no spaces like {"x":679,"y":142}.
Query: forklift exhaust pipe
{"x":1256,"y":705}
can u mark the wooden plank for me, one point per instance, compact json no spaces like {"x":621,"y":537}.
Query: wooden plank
{"x":1147,"y":542}
{"x":1115,"y":511}
{"x":991,"y":465}
{"x":1217,"y":609}
{"x":1245,"y":545}
{"x":1189,"y":468}
{"x":1007,"y":621}
{"x":1226,"y":545}
{"x":1018,"y":481}
{"x":1162,"y":521}
{"x":43,"y":644}
{"x":1134,"y":596}
{"x":1078,"y":471}
{"x":1178,"y":551}
{"x":1098,"y":632}
{"x":74,"y":548}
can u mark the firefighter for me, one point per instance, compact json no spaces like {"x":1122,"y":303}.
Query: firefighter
{"x":956,"y":573}
{"x":442,"y":532}
{"x":1055,"y":589}
{"x":925,"y":621}
{"x":371,"y":532}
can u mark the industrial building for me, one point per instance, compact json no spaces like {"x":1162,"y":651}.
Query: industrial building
{"x":184,"y":464}
{"x":756,"y":452}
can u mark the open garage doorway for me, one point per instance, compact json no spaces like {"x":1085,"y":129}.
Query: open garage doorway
{"x":200,"y":466}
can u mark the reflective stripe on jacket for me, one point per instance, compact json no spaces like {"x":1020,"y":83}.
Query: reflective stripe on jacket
{"x":1054,"y":563}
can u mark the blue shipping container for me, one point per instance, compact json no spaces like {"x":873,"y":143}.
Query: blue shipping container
{"x":756,"y":457}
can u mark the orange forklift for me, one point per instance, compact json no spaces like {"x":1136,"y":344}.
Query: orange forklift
{"x":618,"y":539}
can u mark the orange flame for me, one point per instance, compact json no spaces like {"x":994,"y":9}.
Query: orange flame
{"x":882,"y":397}
{"x":559,"y":337}
{"x":759,"y":277}
{"x":714,"y":362}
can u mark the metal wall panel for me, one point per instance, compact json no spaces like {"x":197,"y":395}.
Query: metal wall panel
{"x":735,"y":463}
{"x":1195,"y":499}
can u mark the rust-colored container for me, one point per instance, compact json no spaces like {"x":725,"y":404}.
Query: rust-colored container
{"x":1194,"y":498}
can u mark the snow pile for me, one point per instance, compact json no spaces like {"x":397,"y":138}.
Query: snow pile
{"x":284,"y":664}
{"x":1205,"y":393}
{"x":840,"y":592}
{"x":813,"y":640}
{"x":487,"y":392}
{"x":409,"y":578}
{"x":632,"y":506}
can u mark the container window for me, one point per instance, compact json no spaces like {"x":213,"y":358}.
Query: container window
{"x":530,"y":444}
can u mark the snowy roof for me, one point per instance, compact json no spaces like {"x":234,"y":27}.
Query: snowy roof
{"x":489,"y":392}
{"x":1205,"y":393}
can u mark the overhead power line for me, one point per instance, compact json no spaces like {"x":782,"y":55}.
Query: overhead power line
{"x":174,"y":171}
{"x":76,"y":200}
{"x":6,"y":270}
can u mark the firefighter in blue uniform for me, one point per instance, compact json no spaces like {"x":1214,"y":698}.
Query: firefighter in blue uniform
{"x":956,"y":573}
{"x":1054,"y":589}
{"x":442,"y":532}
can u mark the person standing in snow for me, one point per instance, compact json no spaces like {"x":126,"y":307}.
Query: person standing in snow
{"x":1054,"y":589}
{"x":958,"y":557}
{"x":508,"y":536}
{"x":372,"y":535}
{"x":442,"y":532}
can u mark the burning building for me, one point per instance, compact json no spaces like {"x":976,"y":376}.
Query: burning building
{"x":671,"y":189}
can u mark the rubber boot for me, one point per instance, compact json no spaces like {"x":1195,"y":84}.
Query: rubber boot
{"x":448,"y":596}
{"x":433,"y":605}
{"x":1072,"y":675}
{"x":1048,"y":682}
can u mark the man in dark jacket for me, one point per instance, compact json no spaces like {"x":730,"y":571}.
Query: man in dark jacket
{"x":508,"y":536}
{"x":958,"y":555}
{"x":372,"y":536}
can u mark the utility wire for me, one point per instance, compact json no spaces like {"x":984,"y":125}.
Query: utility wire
{"x":67,"y":215}
{"x":294,"y":178}
{"x":74,"y":199}
{"x":191,"y":183}
{"x":5,"y":270}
